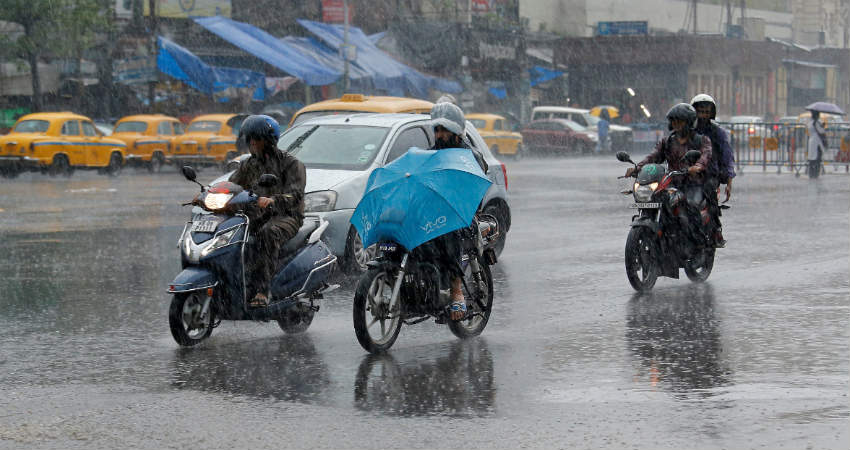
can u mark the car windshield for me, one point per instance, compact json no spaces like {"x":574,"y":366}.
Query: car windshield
{"x":32,"y":126}
{"x":208,"y":126}
{"x":334,"y":146}
{"x":478,"y":123}
{"x":591,"y":119}
{"x":574,"y":126}
{"x":131,"y":127}
{"x":313,"y":114}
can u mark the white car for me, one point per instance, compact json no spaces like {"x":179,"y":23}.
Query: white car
{"x":622,"y":137}
{"x":341,"y":151}
{"x":748,"y":126}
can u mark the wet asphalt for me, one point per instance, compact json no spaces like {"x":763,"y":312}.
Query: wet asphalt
{"x":757,"y":357}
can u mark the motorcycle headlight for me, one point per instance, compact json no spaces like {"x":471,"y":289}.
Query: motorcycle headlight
{"x":643,"y":192}
{"x":320,"y":201}
{"x":218,"y":242}
{"x":216,"y":201}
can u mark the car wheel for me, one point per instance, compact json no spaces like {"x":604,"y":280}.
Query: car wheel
{"x":156,"y":163}
{"x":356,"y":256}
{"x":115,"y":163}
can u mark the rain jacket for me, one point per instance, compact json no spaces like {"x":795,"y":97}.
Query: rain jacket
{"x":815,"y":145}
{"x":671,"y":151}
{"x":288,"y":193}
{"x":722,"y":163}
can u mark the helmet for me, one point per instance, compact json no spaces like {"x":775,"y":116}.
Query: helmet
{"x":682,"y":111}
{"x":447,"y":98}
{"x":260,"y":127}
{"x":705,"y":98}
{"x":449,"y":116}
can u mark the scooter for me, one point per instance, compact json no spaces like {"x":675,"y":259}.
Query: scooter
{"x":212,"y":287}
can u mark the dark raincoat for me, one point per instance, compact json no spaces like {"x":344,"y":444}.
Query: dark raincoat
{"x":287,"y":211}
{"x":669,"y":150}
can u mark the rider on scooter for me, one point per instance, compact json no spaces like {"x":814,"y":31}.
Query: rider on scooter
{"x":284,"y":201}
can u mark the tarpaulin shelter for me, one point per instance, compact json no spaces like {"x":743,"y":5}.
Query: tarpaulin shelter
{"x":180,"y":63}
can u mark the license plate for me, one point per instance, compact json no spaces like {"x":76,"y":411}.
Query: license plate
{"x":387,"y":247}
{"x":644,"y":205}
{"x":204,"y":226}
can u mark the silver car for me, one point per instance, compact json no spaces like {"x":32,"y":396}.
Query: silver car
{"x":341,"y":151}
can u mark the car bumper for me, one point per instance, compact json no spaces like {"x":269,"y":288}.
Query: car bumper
{"x":338,"y":225}
{"x":18,"y":161}
{"x":198,"y":159}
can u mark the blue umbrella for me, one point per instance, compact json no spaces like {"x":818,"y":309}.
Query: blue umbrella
{"x":825,"y":107}
{"x":422,"y":195}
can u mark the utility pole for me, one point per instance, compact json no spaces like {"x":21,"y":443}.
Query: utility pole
{"x":152,"y":53}
{"x":695,"y":15}
{"x":728,"y":16}
{"x":345,"y":53}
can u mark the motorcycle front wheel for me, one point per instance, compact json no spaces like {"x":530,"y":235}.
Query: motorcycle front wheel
{"x":699,"y":271}
{"x":375,"y":325}
{"x":641,"y":268}
{"x":188,"y":325}
{"x":479,"y":303}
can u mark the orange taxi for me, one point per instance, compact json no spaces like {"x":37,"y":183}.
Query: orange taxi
{"x":57,"y":143}
{"x":209,"y":139}
{"x":497,"y":134}
{"x":148,"y":137}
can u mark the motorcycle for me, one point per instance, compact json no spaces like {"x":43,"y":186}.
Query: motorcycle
{"x":404,"y":287}
{"x":212,"y":287}
{"x":663,"y":238}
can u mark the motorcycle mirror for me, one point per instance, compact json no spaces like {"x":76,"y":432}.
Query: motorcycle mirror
{"x":189,"y":173}
{"x":624,"y":157}
{"x":267,"y":180}
{"x":692,"y":156}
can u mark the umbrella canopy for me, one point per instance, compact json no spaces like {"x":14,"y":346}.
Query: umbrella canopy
{"x":613,"y":111}
{"x":422,"y":195}
{"x":825,"y":107}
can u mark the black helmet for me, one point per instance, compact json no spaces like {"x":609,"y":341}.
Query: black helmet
{"x":682,"y":111}
{"x":260,"y":127}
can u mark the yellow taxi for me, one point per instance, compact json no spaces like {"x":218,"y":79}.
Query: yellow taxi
{"x":354,"y":103}
{"x":210,"y":139}
{"x":148,"y":137}
{"x":497,"y":134}
{"x":57,"y":143}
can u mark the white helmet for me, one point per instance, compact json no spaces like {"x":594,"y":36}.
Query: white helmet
{"x":705,"y":98}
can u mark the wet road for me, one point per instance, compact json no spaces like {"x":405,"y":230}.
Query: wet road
{"x":757,"y":357}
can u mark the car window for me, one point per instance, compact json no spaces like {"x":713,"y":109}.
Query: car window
{"x":343,"y":147}
{"x":178,"y":127}
{"x":71,"y":128}
{"x":579,"y":119}
{"x":32,"y":126}
{"x":573,"y":126}
{"x":131,"y":127}
{"x":411,"y":137}
{"x":497,"y":125}
{"x":88,"y":129}
{"x":478,"y":123}
{"x":204,"y":125}
{"x":164,"y":128}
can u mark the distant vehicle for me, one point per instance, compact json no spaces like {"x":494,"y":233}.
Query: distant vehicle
{"x":354,"y":103}
{"x":104,"y":127}
{"x":340,"y":153}
{"x":149,"y":138}
{"x":559,"y":137}
{"x":621,"y":136}
{"x":208,"y":140}
{"x":57,"y":143}
{"x":496,"y":133}
{"x":752,"y":126}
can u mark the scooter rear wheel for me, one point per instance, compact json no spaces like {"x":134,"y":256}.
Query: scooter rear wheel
{"x":641,"y":268}
{"x":188,"y":326}
{"x":294,"y":322}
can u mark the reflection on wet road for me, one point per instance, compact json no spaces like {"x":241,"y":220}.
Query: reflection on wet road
{"x":757,"y":357}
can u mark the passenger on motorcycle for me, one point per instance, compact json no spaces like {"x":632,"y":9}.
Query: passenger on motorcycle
{"x":284,"y":201}
{"x":721,"y":168}
{"x":681,"y":119}
{"x":449,"y":126}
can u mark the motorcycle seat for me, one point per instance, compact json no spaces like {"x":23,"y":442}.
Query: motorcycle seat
{"x":300,"y":238}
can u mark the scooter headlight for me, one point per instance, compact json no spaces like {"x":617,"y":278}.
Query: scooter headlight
{"x":643,"y":192}
{"x":215,"y":202}
{"x":218,"y":242}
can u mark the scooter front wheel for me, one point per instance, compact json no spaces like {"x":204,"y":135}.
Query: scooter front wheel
{"x":189,"y":324}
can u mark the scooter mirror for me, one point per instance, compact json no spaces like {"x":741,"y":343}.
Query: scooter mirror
{"x":692,"y":156}
{"x":624,"y":157}
{"x":267,"y":180}
{"x":189,"y":173}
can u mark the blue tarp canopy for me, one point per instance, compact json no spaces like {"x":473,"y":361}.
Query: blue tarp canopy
{"x":540,"y":74}
{"x":180,"y":63}
{"x":387,"y":73}
{"x":271,"y":50}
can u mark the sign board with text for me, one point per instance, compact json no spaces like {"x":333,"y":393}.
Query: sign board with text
{"x":333,"y":11}
{"x":180,"y":9}
{"x":622,"y":28}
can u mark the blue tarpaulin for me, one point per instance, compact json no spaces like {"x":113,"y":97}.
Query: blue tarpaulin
{"x":540,"y":74}
{"x":271,"y":50}
{"x":180,"y":63}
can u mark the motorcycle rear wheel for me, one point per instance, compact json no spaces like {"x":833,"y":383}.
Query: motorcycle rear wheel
{"x":641,"y":270}
{"x":700,"y":273}
{"x":371,"y":300}
{"x":188,"y":326}
{"x":294,"y":321}
{"x":473,"y":326}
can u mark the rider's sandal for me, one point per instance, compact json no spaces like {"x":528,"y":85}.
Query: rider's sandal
{"x":259,"y":301}
{"x":458,"y":306}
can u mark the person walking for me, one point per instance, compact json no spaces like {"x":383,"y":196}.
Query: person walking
{"x":816,"y":144}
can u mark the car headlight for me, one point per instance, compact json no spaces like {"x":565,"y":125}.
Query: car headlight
{"x":320,"y":201}
{"x":643,"y":192}
{"x":218,"y":242}
{"x":216,"y":201}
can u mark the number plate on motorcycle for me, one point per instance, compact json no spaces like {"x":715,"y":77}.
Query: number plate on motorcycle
{"x":204,"y":226}
{"x":387,"y":247}
{"x":644,"y":205}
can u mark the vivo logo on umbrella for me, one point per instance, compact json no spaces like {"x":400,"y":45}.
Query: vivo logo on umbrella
{"x":367,"y":225}
{"x":438,"y":223}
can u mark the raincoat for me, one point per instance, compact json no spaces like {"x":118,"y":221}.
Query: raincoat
{"x":722,"y":163}
{"x":671,"y":151}
{"x":287,"y":211}
{"x":815,"y":146}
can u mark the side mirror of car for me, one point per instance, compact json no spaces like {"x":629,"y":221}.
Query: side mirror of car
{"x":267,"y":180}
{"x":624,"y":157}
{"x":692,"y":156}
{"x":189,"y":173}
